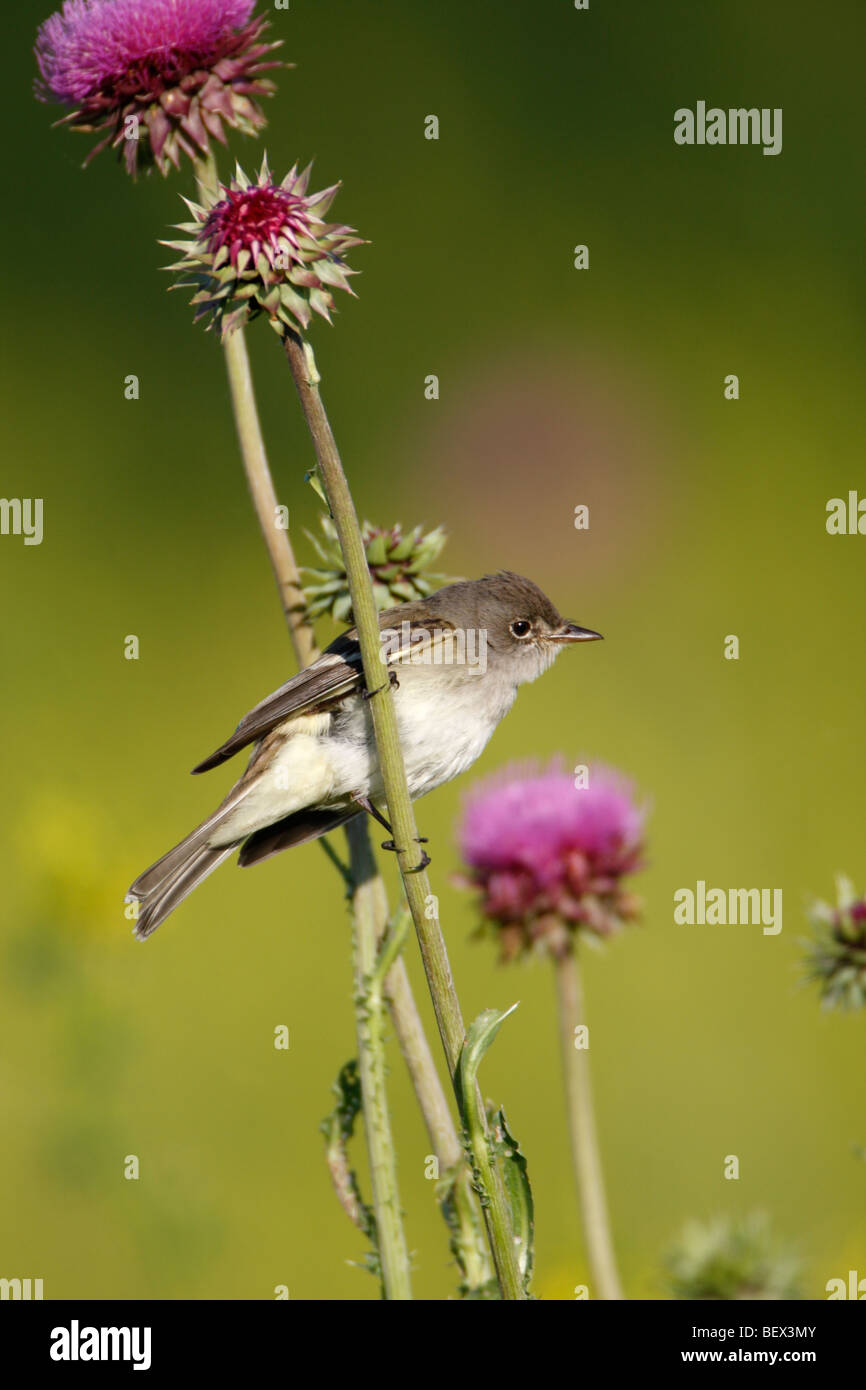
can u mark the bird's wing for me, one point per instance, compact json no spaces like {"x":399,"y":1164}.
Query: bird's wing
{"x":336,"y":674}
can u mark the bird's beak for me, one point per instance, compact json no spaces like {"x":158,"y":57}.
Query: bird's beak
{"x":570,"y":632}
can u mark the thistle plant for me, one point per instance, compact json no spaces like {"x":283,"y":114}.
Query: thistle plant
{"x":731,"y":1259}
{"x":836,"y":954}
{"x":162,"y":79}
{"x":547,"y":853}
{"x":279,"y":279}
{"x":156,"y":79}
{"x":263,"y":226}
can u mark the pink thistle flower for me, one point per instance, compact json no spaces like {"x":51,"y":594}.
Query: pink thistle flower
{"x":264,"y":247}
{"x":156,"y":77}
{"x":549,"y":857}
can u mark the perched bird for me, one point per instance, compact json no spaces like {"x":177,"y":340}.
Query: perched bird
{"x":455,"y":660}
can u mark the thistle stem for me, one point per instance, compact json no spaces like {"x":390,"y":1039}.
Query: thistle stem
{"x":585,"y":1153}
{"x":422,"y":904}
{"x":370,"y":1019}
{"x":258,"y":473}
{"x":436,"y":1113}
{"x":369,"y":895}
{"x":264,"y":497}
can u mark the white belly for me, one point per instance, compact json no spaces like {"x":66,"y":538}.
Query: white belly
{"x":436,"y":748}
{"x":325,"y":759}
{"x":300,"y":773}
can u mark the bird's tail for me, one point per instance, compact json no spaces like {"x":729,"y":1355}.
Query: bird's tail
{"x":167,"y":882}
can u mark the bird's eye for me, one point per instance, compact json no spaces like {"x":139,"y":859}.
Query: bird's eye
{"x":520,"y":628}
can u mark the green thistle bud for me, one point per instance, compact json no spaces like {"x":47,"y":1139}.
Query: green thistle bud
{"x":397,"y":564}
{"x":836,"y":954}
{"x":731,"y":1259}
{"x":264,"y":247}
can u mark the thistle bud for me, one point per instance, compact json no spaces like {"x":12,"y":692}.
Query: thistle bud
{"x":264,"y":248}
{"x":397,"y":561}
{"x":836,"y":954}
{"x":731,"y":1259}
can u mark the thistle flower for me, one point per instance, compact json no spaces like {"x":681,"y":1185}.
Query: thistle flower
{"x":836,"y":957}
{"x":727,"y":1259}
{"x":264,"y":247}
{"x":156,"y":77}
{"x":397,"y":562}
{"x":549,"y":857}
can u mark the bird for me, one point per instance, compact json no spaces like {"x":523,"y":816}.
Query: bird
{"x":455,"y":660}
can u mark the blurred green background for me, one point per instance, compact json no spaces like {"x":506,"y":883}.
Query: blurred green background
{"x":558,"y":387}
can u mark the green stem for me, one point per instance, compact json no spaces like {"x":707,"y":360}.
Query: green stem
{"x":258,"y":472}
{"x":370,"y":1027}
{"x":369,"y":894}
{"x":586,"y":1156}
{"x":445,"y":1142}
{"x":422,"y":903}
{"x":265,"y":499}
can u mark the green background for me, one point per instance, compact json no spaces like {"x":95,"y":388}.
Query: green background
{"x":558,"y":387}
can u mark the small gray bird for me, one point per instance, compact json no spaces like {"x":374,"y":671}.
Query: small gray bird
{"x":455,"y":661}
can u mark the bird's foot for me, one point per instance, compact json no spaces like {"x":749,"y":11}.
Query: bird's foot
{"x":392,"y":681}
{"x":425,"y":857}
{"x":367,"y":805}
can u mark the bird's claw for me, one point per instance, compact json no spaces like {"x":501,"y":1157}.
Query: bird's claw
{"x":425,"y":857}
{"x":392,"y":681}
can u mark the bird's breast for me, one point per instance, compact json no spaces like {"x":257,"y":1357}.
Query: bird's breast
{"x":443,"y":727}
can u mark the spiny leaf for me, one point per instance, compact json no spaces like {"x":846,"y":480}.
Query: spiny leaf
{"x":519,"y":1192}
{"x":478,"y":1040}
{"x":314,"y":479}
{"x":338,"y":1128}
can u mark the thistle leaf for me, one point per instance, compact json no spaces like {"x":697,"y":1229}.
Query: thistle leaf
{"x":338,"y":1129}
{"x":313,"y":478}
{"x":478,"y":1040}
{"x":377,"y":552}
{"x":515,"y":1174}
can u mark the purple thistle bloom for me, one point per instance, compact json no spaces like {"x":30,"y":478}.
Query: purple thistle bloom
{"x":175,"y":70}
{"x":549,"y":857}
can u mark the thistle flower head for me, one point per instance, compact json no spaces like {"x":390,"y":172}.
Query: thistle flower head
{"x":397,"y":561}
{"x":157,"y":78}
{"x":728,"y":1260}
{"x":836,"y":955}
{"x":264,"y":247}
{"x":549,"y":854}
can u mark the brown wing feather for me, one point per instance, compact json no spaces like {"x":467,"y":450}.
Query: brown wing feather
{"x":327,"y":679}
{"x":292,"y":830}
{"x":337,"y":673}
